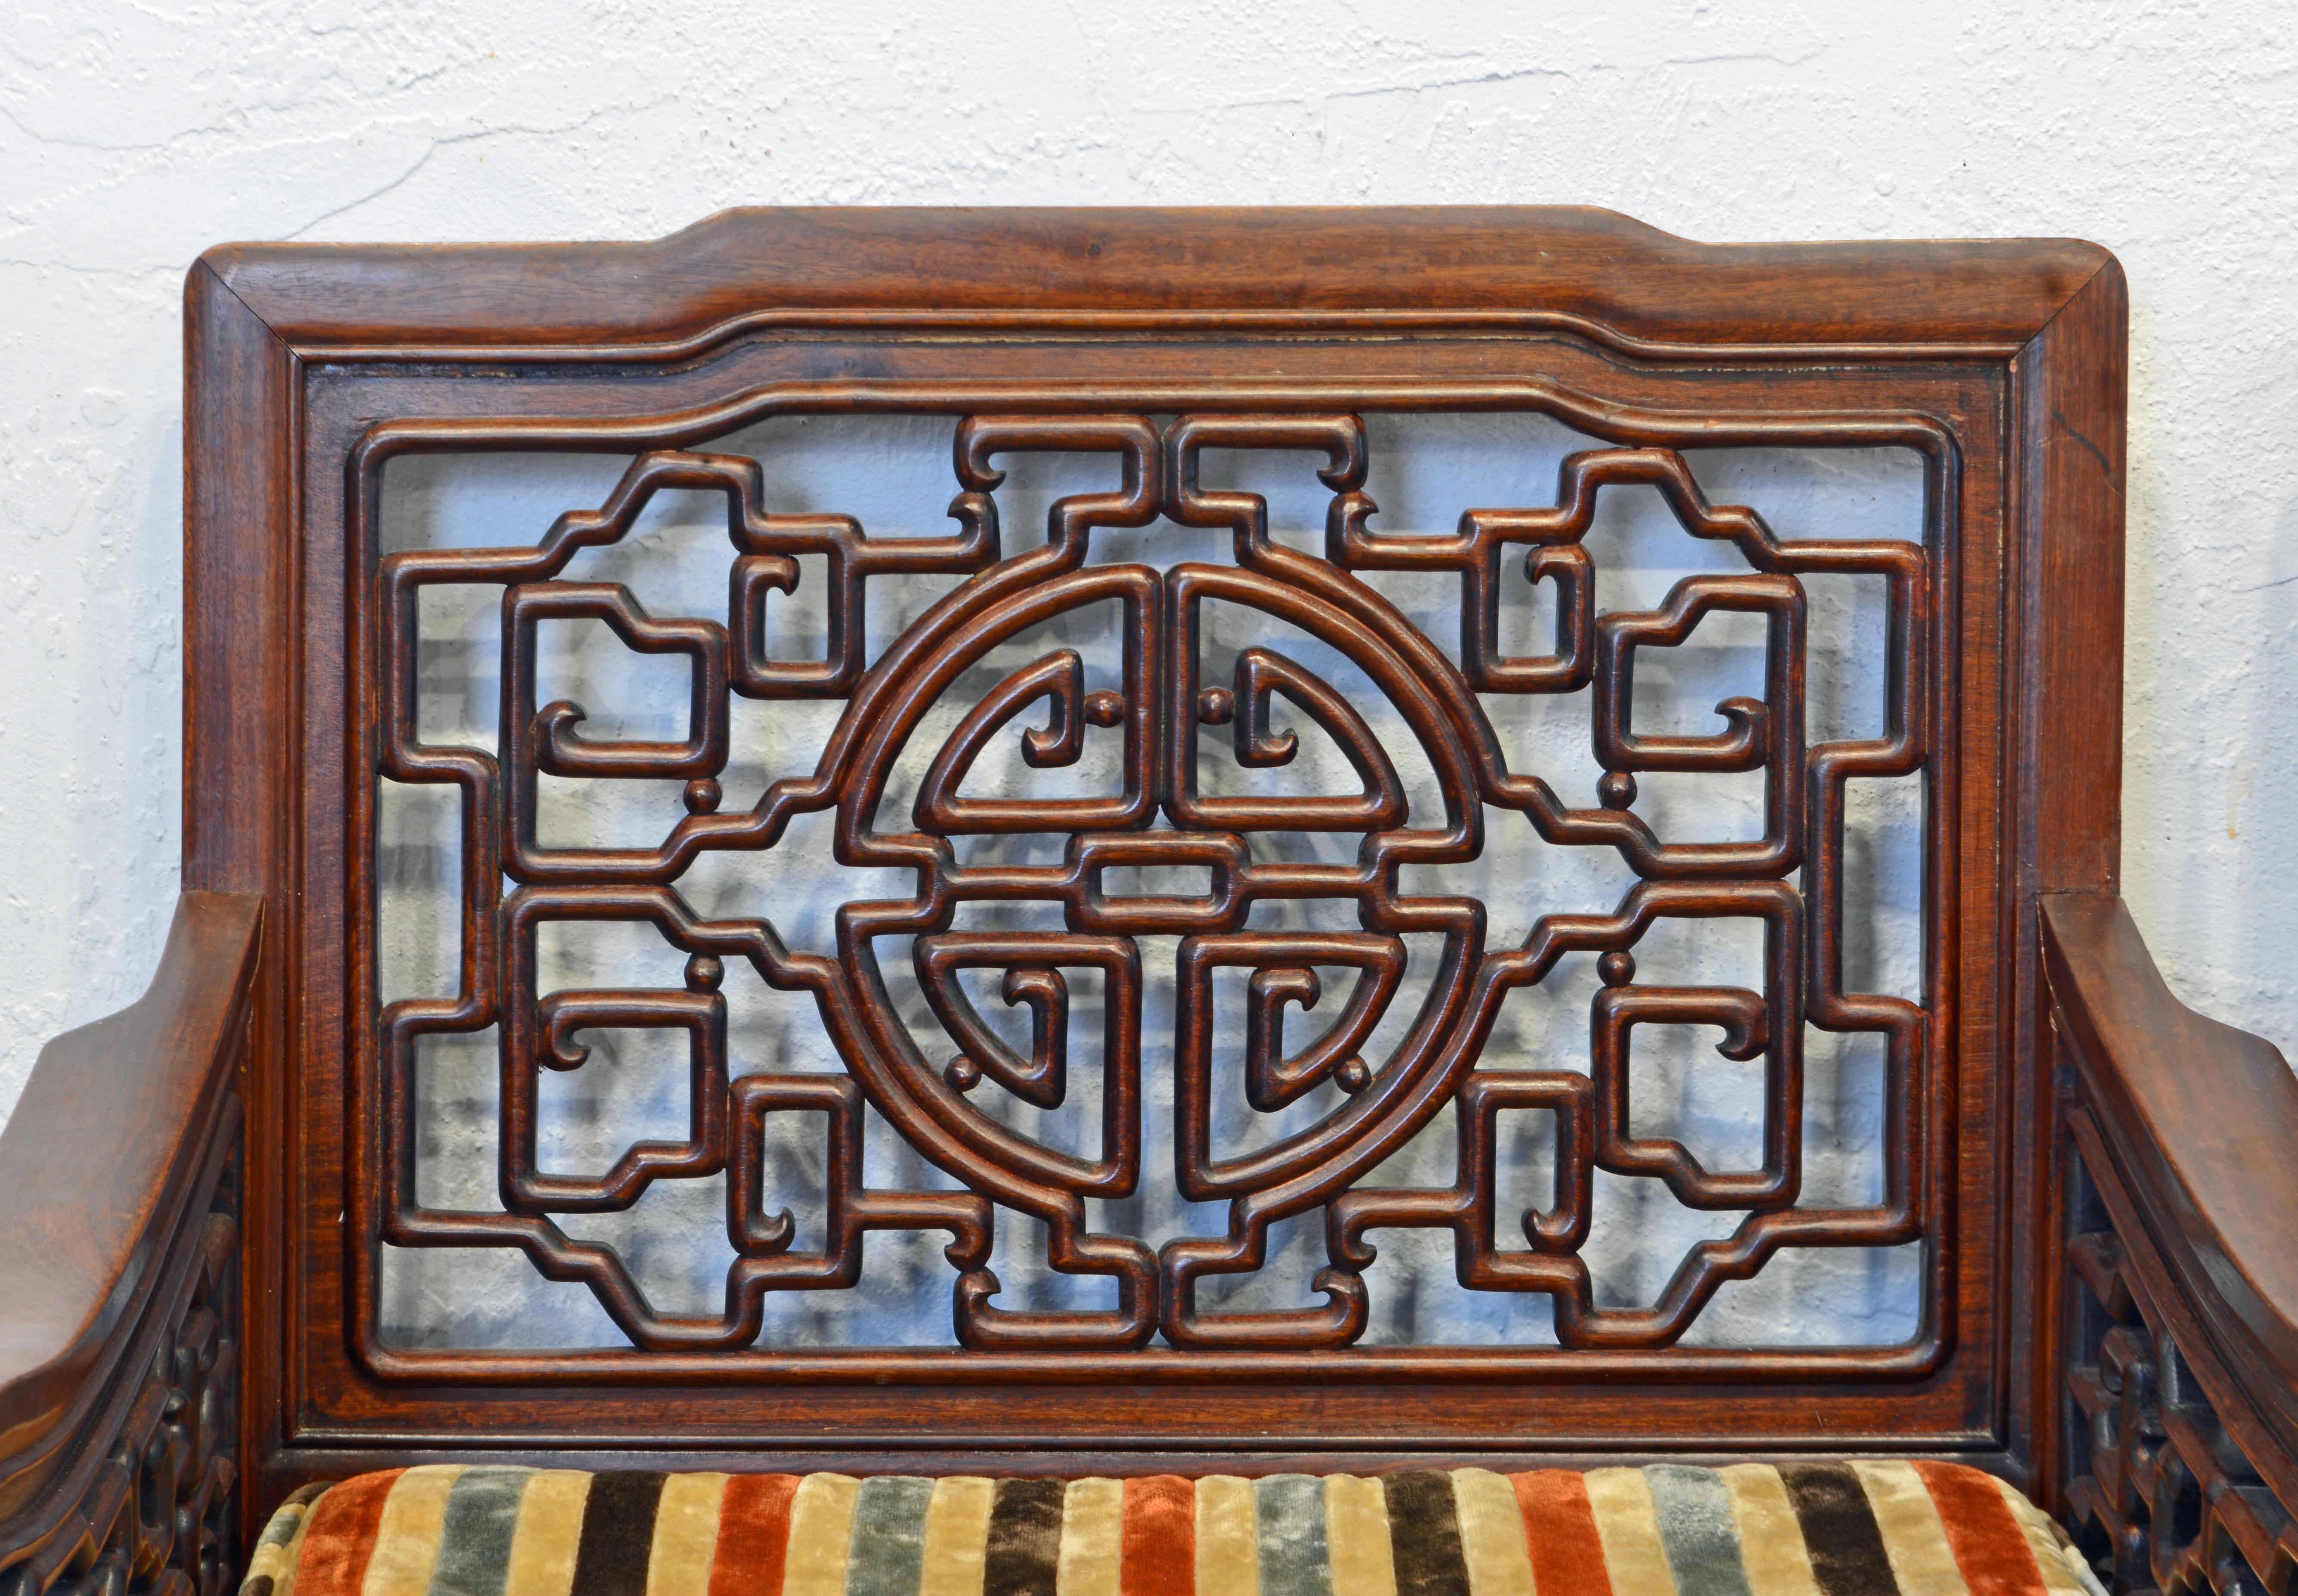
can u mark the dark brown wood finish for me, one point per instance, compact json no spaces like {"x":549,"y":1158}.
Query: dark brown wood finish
{"x":1272,"y":322}
{"x":119,"y":1209}
{"x":1147,"y":336}
{"x":2181,"y":1334}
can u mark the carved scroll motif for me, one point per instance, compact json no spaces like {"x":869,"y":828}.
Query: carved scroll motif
{"x":1164,"y":704}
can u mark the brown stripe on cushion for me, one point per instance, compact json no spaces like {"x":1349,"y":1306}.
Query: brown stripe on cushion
{"x":1025,"y":1539}
{"x":1424,"y":1528}
{"x":610,"y":1559}
{"x":339,"y":1536}
{"x":1160,"y":1538}
{"x":1989,"y":1549}
{"x":1839,"y":1530}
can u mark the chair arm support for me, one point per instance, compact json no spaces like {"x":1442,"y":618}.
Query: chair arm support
{"x":118,"y":1248}
{"x":2187,"y":1134}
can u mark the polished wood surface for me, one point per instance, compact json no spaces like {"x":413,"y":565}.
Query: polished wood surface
{"x":2183,"y":1451}
{"x":2112,"y":1307}
{"x":113,"y":1248}
{"x":1589,"y":272}
{"x":310,"y":368}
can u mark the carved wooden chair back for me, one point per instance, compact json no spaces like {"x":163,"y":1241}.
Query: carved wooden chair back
{"x":1159,"y":348}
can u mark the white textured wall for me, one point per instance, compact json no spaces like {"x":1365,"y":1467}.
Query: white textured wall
{"x":132,"y":135}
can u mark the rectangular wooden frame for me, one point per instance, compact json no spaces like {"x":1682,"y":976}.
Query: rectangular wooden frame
{"x":2004,"y":362}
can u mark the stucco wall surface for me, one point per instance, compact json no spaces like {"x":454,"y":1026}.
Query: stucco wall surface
{"x":133,"y":134}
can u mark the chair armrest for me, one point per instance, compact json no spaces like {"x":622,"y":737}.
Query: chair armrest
{"x":2186,"y":1130}
{"x":117,"y":1295}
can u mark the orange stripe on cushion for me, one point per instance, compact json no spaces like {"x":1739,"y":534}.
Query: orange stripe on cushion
{"x":753,"y":1534}
{"x":1567,"y":1555}
{"x":341,"y":1535}
{"x":1161,"y":1536}
{"x":1989,"y":1546}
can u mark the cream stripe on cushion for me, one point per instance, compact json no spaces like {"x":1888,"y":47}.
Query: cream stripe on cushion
{"x":1914,"y":1540}
{"x":1355,"y":1536}
{"x":1633,"y":1553}
{"x":957,"y":1536}
{"x":1771,"y":1536}
{"x":550,"y":1532}
{"x":1491,"y":1534}
{"x":685,"y":1535}
{"x":281,"y":1542}
{"x":407,"y":1540}
{"x":821,"y":1527}
{"x":1093,"y":1539}
{"x":1228,"y":1537}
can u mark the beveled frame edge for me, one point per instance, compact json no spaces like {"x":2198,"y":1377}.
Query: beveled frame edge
{"x":1622,"y":284}
{"x":2056,"y":313}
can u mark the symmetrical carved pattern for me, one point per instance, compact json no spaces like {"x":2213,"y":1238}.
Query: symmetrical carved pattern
{"x":158,"y":1514}
{"x":2161,"y":1497}
{"x":1159,"y":815}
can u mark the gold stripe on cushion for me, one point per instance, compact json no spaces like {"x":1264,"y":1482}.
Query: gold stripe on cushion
{"x":550,"y":1532}
{"x":407,"y":1540}
{"x":1914,"y":1540}
{"x":2050,"y":1562}
{"x":1635,"y":1556}
{"x":1355,"y":1536}
{"x":277,"y":1557}
{"x":685,"y":1535}
{"x":1771,"y":1535}
{"x":957,"y":1536}
{"x":1491,"y":1534}
{"x":1093,"y":1539}
{"x":821,"y":1531}
{"x":1228,"y":1536}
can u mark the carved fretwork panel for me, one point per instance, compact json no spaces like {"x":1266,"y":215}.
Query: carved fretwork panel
{"x":155,"y":1514}
{"x":2160,"y":1496}
{"x":1004,"y":954}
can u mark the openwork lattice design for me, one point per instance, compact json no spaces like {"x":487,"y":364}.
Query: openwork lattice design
{"x":2161,"y":1496}
{"x":1166,"y":703}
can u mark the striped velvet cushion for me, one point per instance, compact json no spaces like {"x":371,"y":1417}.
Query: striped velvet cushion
{"x":1667,"y":1530}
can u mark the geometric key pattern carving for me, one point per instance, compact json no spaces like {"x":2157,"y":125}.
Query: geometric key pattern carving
{"x":1103,"y":862}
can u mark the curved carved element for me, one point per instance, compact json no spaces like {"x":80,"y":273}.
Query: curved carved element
{"x":1262,"y":675}
{"x":1278,"y":962}
{"x":2179,"y":1329}
{"x":119,"y":1267}
{"x":1032,"y":966}
{"x":1758,"y":735}
{"x":1059,"y":678}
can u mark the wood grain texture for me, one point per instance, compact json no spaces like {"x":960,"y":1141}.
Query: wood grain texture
{"x":108,"y":1170}
{"x":1582,"y":269}
{"x":2199,"y":1119}
{"x":310,"y":368}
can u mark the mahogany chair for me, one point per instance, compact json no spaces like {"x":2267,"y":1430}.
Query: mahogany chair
{"x":196,"y":1194}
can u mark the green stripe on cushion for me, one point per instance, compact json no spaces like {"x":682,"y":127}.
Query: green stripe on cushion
{"x":475,"y":1540}
{"x":889,"y":1545}
{"x":1295,"y":1560}
{"x":1694,"y":1509}
{"x":1681,"y":1530}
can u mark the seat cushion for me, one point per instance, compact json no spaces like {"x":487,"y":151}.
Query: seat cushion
{"x":1822,"y":1529}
